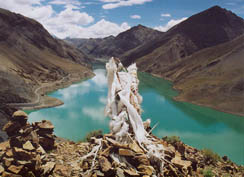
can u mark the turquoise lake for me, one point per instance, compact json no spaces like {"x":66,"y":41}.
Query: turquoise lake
{"x":200,"y":127}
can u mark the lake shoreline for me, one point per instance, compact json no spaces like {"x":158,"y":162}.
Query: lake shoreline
{"x":45,"y":101}
{"x":179,"y":98}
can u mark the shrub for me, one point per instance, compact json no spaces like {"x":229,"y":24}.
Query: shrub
{"x":171,"y":139}
{"x":209,"y":155}
{"x":208,"y":173}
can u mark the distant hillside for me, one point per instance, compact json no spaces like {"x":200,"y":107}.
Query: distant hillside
{"x":30,"y":59}
{"x":208,"y":28}
{"x":105,"y":48}
{"x":203,"y":56}
{"x":30,"y":55}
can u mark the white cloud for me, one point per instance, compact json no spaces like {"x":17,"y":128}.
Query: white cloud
{"x":103,"y":100}
{"x":170,"y":24}
{"x":64,"y":2}
{"x":70,"y":22}
{"x":100,"y":79}
{"x":95,"y":113}
{"x":30,"y":8}
{"x":70,"y":16}
{"x":135,"y":16}
{"x":165,"y":15}
{"x":112,"y":4}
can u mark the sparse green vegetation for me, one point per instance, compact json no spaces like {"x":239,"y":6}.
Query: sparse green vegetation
{"x":95,"y":133}
{"x":207,"y":172}
{"x":172,"y":139}
{"x":209,"y":155}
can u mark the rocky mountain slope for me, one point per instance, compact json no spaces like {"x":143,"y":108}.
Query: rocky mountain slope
{"x":203,"y":56}
{"x":206,"y":29}
{"x":30,"y":58}
{"x":105,"y":48}
{"x":33,"y":150}
{"x":30,"y":55}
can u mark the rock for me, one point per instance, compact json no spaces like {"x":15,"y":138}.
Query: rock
{"x":131,"y":172}
{"x":26,"y":130}
{"x":47,"y":143}
{"x":40,"y":150}
{"x":4,"y":146}
{"x":120,"y":172}
{"x":48,"y":168}
{"x":21,"y":154}
{"x":7,"y":174}
{"x":99,"y":173}
{"x":28,"y":146}
{"x":62,"y":170}
{"x":106,"y":152}
{"x":1,"y":169}
{"x":180,"y":147}
{"x":20,"y":114}
{"x":16,"y":141}
{"x":141,"y":159}
{"x":183,"y":164}
{"x":115,"y":143}
{"x":225,"y":158}
{"x":20,"y":117}
{"x":16,"y":169}
{"x":9,"y":153}
{"x":147,"y":170}
{"x":7,"y":161}
{"x":134,"y":146}
{"x":12,"y":128}
{"x":45,"y":125}
{"x":126,"y":152}
{"x":104,"y":164}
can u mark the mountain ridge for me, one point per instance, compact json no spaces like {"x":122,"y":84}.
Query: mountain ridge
{"x":104,"y":48}
{"x":30,"y":59}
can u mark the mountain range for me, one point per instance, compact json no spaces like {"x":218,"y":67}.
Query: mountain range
{"x":102,"y":49}
{"x":203,"y":56}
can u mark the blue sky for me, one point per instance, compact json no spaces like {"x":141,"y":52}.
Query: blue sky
{"x":101,"y":18}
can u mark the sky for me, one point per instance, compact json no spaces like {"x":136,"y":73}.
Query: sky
{"x":102,"y":18}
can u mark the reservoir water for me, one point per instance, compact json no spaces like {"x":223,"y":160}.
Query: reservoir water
{"x":200,"y":127}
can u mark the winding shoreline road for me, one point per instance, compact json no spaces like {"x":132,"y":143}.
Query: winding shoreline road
{"x":37,"y":101}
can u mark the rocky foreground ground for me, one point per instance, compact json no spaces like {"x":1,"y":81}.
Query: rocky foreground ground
{"x":33,"y":150}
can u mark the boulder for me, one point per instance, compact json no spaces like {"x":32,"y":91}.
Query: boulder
{"x":141,"y":159}
{"x":120,"y":172}
{"x":22,"y":154}
{"x":15,"y":169}
{"x":147,"y":170}
{"x":126,"y":152}
{"x":1,"y":169}
{"x":45,"y":125}
{"x":7,"y":174}
{"x":47,"y":143}
{"x":134,"y":146}
{"x":16,"y":141}
{"x":9,"y":153}
{"x":20,"y":117}
{"x":104,"y":164}
{"x":28,"y":146}
{"x":48,"y":168}
{"x":12,"y":128}
{"x":4,"y":146}
{"x":7,"y":161}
